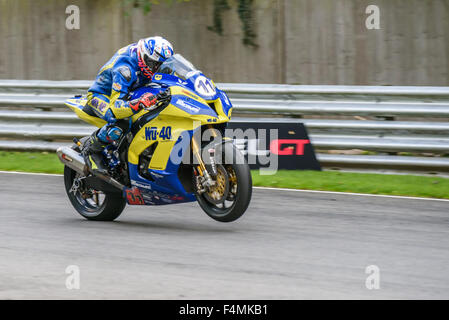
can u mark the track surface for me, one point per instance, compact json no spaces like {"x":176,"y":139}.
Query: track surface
{"x":289,"y":245}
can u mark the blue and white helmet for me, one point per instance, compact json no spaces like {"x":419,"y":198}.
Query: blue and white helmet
{"x":152,"y":52}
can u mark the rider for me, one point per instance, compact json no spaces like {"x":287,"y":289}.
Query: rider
{"x":131,"y":67}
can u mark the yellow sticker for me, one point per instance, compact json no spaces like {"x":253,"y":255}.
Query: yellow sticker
{"x":117,"y":86}
{"x":158,"y":77}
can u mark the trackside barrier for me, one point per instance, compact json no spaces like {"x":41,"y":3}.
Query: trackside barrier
{"x":33,"y":117}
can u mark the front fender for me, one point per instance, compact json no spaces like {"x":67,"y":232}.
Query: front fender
{"x":226,"y":147}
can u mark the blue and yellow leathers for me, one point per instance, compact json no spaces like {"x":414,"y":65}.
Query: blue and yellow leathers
{"x":106,"y":96}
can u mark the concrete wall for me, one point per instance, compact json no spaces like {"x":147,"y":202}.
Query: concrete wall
{"x":327,"y":42}
{"x":300,"y":41}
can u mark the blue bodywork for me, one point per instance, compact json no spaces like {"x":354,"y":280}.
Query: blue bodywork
{"x":166,"y":187}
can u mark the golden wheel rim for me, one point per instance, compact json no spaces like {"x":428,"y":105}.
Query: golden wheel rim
{"x":217,"y":191}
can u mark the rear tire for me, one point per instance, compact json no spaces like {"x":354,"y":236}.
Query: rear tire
{"x":111,"y":207}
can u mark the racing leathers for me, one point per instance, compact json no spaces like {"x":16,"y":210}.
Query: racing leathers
{"x":108,"y":98}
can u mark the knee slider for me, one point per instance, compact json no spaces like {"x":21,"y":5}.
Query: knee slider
{"x":114,"y":133}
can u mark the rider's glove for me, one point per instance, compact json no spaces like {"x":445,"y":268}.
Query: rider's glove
{"x":145,"y":101}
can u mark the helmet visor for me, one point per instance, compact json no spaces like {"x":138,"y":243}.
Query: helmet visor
{"x":152,"y":64}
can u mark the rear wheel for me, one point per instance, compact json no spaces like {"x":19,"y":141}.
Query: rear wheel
{"x":92,"y":204}
{"x":229,"y":198}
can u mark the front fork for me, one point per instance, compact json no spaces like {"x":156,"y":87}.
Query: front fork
{"x":204,"y":178}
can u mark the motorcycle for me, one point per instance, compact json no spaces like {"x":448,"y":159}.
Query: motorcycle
{"x":173,"y":152}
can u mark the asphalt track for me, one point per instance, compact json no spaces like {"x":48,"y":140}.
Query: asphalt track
{"x":289,"y":245}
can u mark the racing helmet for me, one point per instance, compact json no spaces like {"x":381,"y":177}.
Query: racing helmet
{"x":151,"y":53}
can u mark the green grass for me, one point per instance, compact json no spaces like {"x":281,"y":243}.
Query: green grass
{"x":401,"y":185}
{"x":42,"y":162}
{"x":405,"y":185}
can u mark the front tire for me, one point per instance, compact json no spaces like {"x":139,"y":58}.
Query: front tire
{"x":110,"y":207}
{"x":239,"y":188}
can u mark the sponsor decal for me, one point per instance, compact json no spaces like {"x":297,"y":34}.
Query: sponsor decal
{"x":102,"y":106}
{"x":187,"y":106}
{"x":158,"y":77}
{"x":225,"y":96}
{"x":167,"y":52}
{"x":149,"y":197}
{"x":270,"y":146}
{"x":134,"y":197}
{"x":117,"y":86}
{"x":152,"y":133}
{"x":119,"y":104}
{"x":140,"y":185}
{"x":288,"y":147}
{"x":190,"y":94}
{"x":157,"y":175}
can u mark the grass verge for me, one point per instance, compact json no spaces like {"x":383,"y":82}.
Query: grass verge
{"x":388,"y":184}
{"x":42,"y":162}
{"x":401,"y":185}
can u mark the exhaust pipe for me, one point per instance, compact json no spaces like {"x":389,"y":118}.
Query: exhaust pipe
{"x":75,"y":161}
{"x":72,"y":159}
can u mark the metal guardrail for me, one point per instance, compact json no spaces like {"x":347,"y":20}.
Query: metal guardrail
{"x":314,"y":125}
{"x":32,"y":116}
{"x":337,"y":142}
{"x":246,"y":88}
{"x":269,"y":106}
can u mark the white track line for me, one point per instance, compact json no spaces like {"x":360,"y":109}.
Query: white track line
{"x":351,"y":194}
{"x":33,"y":173}
{"x":278,"y":189}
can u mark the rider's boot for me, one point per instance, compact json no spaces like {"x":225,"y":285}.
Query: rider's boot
{"x":92,"y":152}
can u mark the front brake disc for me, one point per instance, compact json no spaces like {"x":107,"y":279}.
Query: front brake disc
{"x":218,"y":193}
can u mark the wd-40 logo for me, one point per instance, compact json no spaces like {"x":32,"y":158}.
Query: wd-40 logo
{"x":152,"y":133}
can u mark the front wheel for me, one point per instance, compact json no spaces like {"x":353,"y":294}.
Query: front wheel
{"x":229,"y":198}
{"x":92,"y":204}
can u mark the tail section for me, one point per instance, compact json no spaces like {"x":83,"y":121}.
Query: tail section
{"x":78,"y":105}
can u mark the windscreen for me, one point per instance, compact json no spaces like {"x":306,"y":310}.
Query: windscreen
{"x":178,"y":66}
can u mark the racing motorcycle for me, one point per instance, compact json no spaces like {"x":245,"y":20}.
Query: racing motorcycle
{"x":173,"y":152}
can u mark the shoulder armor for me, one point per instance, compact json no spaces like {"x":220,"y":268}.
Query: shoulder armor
{"x":125,"y":72}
